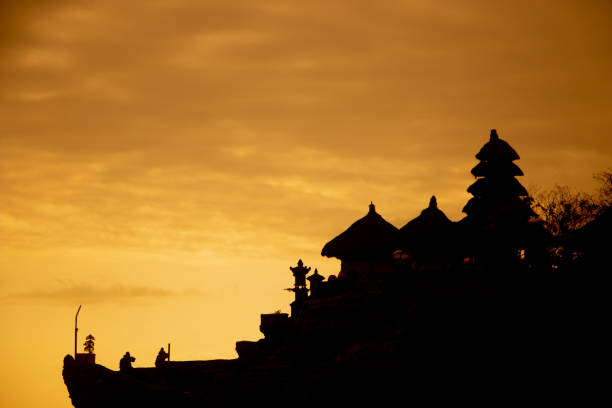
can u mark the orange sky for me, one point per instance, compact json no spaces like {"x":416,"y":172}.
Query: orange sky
{"x":164,"y":163}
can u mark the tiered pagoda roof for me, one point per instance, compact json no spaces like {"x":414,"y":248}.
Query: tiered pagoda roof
{"x":497,"y":149}
{"x":504,"y":186}
{"x":486,"y":168}
{"x":496,"y":191}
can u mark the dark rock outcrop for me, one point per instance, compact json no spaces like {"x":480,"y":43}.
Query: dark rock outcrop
{"x":462,"y":336}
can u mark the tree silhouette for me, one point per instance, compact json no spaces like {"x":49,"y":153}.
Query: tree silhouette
{"x":605,"y":191}
{"x":566,"y":212}
{"x":89,"y":344}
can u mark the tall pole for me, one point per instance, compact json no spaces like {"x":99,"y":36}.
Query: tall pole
{"x":76,"y":329}
{"x":168,"y":351}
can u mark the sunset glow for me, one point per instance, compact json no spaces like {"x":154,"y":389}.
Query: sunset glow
{"x":164,"y":163}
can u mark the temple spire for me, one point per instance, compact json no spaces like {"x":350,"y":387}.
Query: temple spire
{"x":494,"y":135}
{"x":301,"y":292}
{"x":433,"y":203}
{"x":315,"y":283}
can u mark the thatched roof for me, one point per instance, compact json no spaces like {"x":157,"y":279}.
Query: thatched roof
{"x":497,"y":149}
{"x":369,"y":237}
{"x":431,"y":220}
{"x":496,"y":168}
{"x":431,"y":228}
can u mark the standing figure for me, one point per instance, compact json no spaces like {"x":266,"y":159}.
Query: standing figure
{"x":125,"y":364}
{"x":162,"y":356}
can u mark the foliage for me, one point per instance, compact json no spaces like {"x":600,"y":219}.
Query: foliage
{"x":89,"y":344}
{"x":605,"y":191}
{"x":563,"y":210}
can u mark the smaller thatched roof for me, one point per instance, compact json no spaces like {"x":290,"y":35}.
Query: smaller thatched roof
{"x":431,"y":220}
{"x":497,"y":149}
{"x":431,"y":230}
{"x":369,"y":237}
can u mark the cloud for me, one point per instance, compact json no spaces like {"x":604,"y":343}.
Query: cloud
{"x":124,"y":203}
{"x":72,"y":293}
{"x":233,"y":128}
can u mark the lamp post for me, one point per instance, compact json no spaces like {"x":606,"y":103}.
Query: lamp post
{"x":76,"y":329}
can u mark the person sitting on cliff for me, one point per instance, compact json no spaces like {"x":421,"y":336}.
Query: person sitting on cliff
{"x":162,"y":356}
{"x":125,"y":364}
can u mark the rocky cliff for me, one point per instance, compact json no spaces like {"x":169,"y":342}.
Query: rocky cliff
{"x":446,"y":336}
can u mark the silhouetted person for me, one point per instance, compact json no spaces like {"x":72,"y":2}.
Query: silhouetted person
{"x":125,"y":364}
{"x":162,"y":356}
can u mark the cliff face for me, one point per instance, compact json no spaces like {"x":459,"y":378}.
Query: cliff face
{"x":446,"y":336}
{"x":96,"y":386}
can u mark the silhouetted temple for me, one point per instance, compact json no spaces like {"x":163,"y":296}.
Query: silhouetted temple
{"x":498,"y":196}
{"x":437,"y":311}
{"x":429,"y":240}
{"x":500,"y":226}
{"x":365,"y":247}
